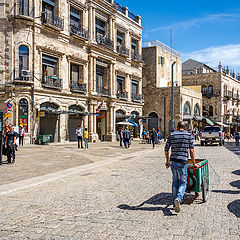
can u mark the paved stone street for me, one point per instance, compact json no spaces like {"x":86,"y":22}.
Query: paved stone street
{"x":121,"y":194}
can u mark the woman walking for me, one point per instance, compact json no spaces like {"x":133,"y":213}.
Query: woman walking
{"x":21,"y":134}
{"x":86,"y":138}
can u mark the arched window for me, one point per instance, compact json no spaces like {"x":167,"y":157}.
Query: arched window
{"x":204,"y":110}
{"x":120,"y":115}
{"x":210,"y":90}
{"x":204,"y":90}
{"x":196,"y":110}
{"x":186,"y":109}
{"x":23,"y":59}
{"x":225,"y":90}
{"x":23,"y":113}
{"x":210,"y":111}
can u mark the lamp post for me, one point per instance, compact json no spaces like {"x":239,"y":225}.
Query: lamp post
{"x":172,"y":119}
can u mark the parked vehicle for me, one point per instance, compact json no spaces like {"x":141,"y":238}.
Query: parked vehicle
{"x":211,"y":135}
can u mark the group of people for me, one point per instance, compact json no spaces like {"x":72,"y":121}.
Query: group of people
{"x":124,"y":137}
{"x":9,"y":141}
{"x":153,"y":136}
{"x":82,"y":135}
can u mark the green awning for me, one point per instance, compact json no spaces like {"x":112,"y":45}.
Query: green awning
{"x":209,"y":121}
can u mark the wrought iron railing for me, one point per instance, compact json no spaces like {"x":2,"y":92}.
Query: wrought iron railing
{"x":122,"y":95}
{"x":105,"y":41}
{"x":133,"y":17}
{"x":137,"y":97}
{"x":103,"y":91}
{"x":52,"y":82}
{"x":136,"y":56}
{"x":78,"y":87}
{"x":23,"y":10}
{"x":121,"y":49}
{"x":52,"y":20}
{"x":80,"y":32}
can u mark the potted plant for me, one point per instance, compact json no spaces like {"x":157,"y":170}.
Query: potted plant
{"x":80,"y":81}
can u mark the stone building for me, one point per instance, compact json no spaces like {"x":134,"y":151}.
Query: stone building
{"x":158,"y":59}
{"x":66,"y":63}
{"x":220,"y":90}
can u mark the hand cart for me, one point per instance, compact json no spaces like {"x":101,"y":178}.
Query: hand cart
{"x":198,"y":179}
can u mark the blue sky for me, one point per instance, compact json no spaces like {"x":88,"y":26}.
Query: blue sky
{"x":208,"y":31}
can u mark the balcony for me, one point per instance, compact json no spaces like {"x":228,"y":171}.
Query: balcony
{"x":23,"y":10}
{"x":122,"y":50}
{"x":136,"y":56}
{"x":52,"y":82}
{"x":78,"y":87}
{"x":79,"y":32}
{"x":23,"y":77}
{"x":133,"y":17}
{"x":105,"y":41}
{"x":103,"y":91}
{"x":122,"y":95}
{"x":52,"y":20}
{"x":136,"y":97}
{"x":228,"y":94}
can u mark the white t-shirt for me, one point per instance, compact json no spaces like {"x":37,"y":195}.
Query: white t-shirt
{"x":79,"y":132}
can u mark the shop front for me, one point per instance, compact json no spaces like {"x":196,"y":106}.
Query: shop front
{"x":102,"y":125}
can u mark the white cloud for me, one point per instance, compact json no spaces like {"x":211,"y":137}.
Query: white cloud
{"x":229,"y":55}
{"x":195,"y":22}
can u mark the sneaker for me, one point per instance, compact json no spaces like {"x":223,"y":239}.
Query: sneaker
{"x":177,"y":205}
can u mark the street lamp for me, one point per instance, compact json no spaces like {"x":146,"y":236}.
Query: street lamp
{"x":172,"y":119}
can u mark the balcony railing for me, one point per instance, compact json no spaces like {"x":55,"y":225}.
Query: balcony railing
{"x":137,"y":97}
{"x":80,"y":32}
{"x":52,"y":20}
{"x":133,"y":17}
{"x":103,"y":91}
{"x":121,"y":49}
{"x":105,"y":41}
{"x":78,"y":87}
{"x":122,"y":95}
{"x":23,"y":10}
{"x":52,"y":82}
{"x":136,"y":56}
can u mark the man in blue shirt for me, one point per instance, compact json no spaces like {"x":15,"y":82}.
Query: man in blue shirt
{"x":180,"y":142}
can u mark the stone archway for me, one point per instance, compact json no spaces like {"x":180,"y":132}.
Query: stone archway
{"x":152,"y":120}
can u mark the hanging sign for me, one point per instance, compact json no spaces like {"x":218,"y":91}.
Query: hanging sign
{"x":41,"y":114}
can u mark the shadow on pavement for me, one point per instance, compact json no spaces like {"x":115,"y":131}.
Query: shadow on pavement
{"x":158,"y":199}
{"x":235,"y":184}
{"x":237,"y":172}
{"x":234,"y":207}
{"x":226,"y":191}
{"x":231,"y":146}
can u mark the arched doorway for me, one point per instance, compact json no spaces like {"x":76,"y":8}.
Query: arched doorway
{"x":120,"y":115}
{"x":49,"y":124}
{"x":23,"y":113}
{"x":152,"y":121}
{"x":74,"y":120}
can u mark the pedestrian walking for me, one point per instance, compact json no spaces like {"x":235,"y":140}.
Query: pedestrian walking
{"x":126,"y":137}
{"x":79,"y":132}
{"x":180,"y":142}
{"x":120,"y":133}
{"x":86,"y":138}
{"x":21,"y":134}
{"x":236,"y":136}
{"x":154,"y":137}
{"x":10,"y":144}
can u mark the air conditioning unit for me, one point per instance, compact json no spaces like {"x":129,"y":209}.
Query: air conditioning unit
{"x":26,"y":73}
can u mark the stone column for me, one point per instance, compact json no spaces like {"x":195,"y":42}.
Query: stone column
{"x":114,"y":81}
{"x":140,"y":86}
{"x":90,"y":23}
{"x":111,"y":135}
{"x":93,"y":25}
{"x":128,"y":87}
{"x":63,"y":124}
{"x":114,"y":35}
{"x":94,"y":69}
{"x":110,"y":28}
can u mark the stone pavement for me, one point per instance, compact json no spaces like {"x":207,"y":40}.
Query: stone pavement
{"x":128,"y":197}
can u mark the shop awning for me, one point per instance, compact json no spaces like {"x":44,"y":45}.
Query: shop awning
{"x":221,"y":124}
{"x":188,"y":117}
{"x":198,"y":118}
{"x":134,"y":124}
{"x":209,"y":121}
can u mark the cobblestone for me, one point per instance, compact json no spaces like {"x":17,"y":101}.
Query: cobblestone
{"x":126,"y":199}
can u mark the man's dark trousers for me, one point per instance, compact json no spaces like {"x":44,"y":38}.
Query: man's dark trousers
{"x":10,"y":153}
{"x":121,"y":141}
{"x":80,"y":139}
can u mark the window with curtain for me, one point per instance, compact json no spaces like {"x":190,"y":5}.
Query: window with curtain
{"x":48,"y":6}
{"x":75,"y":17}
{"x":120,"y":38}
{"x":23,"y":59}
{"x":134,"y":87}
{"x":49,"y":65}
{"x":120,"y":83}
{"x":23,"y":113}
{"x":100,"y":27}
{"x":100,"y":77}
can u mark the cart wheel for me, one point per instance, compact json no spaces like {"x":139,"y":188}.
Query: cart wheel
{"x":205,"y":189}
{"x":194,"y":182}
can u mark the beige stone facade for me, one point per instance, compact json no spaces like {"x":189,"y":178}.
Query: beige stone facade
{"x":158,"y":59}
{"x":68,"y":58}
{"x":220,"y":93}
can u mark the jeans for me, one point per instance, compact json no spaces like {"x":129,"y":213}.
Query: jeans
{"x":86,"y":142}
{"x":153,"y":142}
{"x":121,"y":141}
{"x":126,"y":143}
{"x":80,"y":139}
{"x":179,"y":184}
{"x":10,"y":153}
{"x":237,"y":141}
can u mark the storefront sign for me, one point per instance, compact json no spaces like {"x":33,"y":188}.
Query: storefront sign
{"x":41,"y":114}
